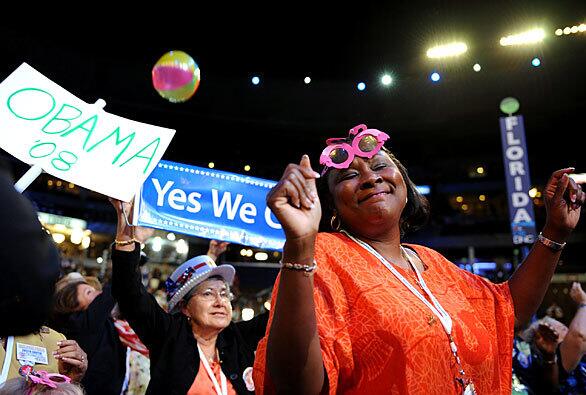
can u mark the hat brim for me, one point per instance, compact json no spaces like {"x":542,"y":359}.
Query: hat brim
{"x":227,"y":272}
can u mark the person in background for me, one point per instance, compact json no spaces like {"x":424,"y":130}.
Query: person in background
{"x":194,"y":348}
{"x":29,"y":263}
{"x":548,"y":357}
{"x":41,"y":383}
{"x":44,"y":350}
{"x":83,"y":313}
{"x":357,"y":311}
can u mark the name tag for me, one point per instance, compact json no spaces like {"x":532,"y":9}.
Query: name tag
{"x":30,"y":353}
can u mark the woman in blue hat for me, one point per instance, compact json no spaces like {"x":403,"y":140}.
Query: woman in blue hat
{"x":194,"y":348}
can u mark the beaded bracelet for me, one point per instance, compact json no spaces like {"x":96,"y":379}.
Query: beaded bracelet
{"x":306,"y":269}
{"x":553,"y":245}
{"x":125,"y":242}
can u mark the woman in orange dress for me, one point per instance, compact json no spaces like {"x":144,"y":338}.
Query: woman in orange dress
{"x":356,"y":311}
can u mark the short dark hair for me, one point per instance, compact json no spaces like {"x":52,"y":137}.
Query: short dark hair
{"x":414,"y":216}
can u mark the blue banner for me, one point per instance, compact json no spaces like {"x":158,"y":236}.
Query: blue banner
{"x":518,"y":181}
{"x":209,"y":203}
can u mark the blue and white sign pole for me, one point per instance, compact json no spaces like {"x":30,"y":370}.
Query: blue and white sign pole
{"x":209,"y":203}
{"x":518,"y":181}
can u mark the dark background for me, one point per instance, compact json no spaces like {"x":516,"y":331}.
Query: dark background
{"x":440,"y":131}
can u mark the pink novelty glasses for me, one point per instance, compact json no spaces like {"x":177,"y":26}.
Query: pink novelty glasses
{"x":51,"y":380}
{"x":365,"y":143}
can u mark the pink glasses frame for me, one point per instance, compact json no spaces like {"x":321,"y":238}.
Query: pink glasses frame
{"x":359,"y":131}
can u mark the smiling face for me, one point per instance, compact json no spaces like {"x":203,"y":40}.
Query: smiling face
{"x":209,"y":308}
{"x":369,"y":196}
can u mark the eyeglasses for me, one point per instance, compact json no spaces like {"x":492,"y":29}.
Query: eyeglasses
{"x":365,"y":143}
{"x":210,"y":295}
{"x":51,"y":380}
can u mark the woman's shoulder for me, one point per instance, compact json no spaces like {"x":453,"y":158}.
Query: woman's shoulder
{"x":328,"y":242}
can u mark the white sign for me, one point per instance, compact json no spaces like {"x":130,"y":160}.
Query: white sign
{"x":43,"y":124}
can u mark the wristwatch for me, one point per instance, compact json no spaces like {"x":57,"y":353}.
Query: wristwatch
{"x":554,"y":245}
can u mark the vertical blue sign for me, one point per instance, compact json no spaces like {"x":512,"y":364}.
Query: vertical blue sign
{"x":518,"y":181}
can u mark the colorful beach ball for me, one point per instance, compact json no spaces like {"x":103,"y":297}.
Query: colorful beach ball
{"x":176,"y":76}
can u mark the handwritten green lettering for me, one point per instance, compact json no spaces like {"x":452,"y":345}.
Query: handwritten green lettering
{"x":156,"y":141}
{"x":118,"y":141}
{"x":63,"y":116}
{"x":93,"y":120}
{"x":30,"y":117}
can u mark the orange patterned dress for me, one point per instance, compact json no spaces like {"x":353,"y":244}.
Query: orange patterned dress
{"x":377,"y":338}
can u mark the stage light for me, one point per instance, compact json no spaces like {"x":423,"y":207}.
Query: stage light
{"x":528,"y":37}
{"x":58,"y":237}
{"x":482,"y":198}
{"x":182,"y":247}
{"x":307,"y":80}
{"x":261,"y":256}
{"x":480,"y":170}
{"x":255,"y":80}
{"x":465,"y":207}
{"x":99,"y":259}
{"x":435,"y":77}
{"x":247,"y":168}
{"x":156,"y":244}
{"x":247,"y":314}
{"x":361,"y":86}
{"x":459,"y":199}
{"x":76,"y":236}
{"x":211,"y":165}
{"x":386,"y":80}
{"x":533,"y":192}
{"x":171,"y":236}
{"x":447,"y":50}
{"x":536,"y":62}
{"x":572,"y":29}
{"x":477,"y":67}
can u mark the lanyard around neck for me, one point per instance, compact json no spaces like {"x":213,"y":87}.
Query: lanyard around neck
{"x":220,"y":391}
{"x":7,"y":359}
{"x":435,"y":307}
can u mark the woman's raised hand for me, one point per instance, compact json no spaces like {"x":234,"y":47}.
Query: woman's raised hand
{"x":563,"y":201}
{"x":294,"y":201}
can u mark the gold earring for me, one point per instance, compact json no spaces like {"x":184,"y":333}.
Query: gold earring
{"x":335,"y":226}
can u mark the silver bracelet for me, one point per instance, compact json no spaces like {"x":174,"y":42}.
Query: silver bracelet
{"x":306,"y":269}
{"x":553,"y":245}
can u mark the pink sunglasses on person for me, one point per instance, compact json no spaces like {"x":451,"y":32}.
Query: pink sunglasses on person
{"x":365,"y":143}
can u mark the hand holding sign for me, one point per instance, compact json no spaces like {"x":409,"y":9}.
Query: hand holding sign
{"x":217,"y":248}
